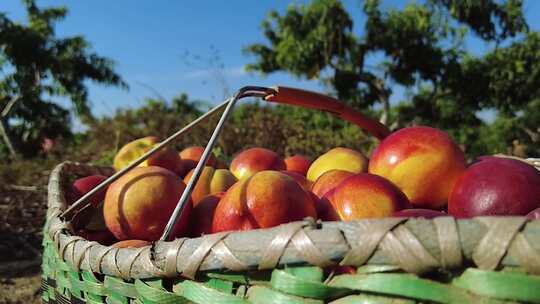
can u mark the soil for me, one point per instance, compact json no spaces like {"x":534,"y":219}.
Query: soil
{"x":22,"y":215}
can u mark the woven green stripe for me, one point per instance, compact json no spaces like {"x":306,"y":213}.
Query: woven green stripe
{"x":405,"y":285}
{"x":294,"y":285}
{"x":313,"y":274}
{"x":119,"y":287}
{"x":502,"y":285}
{"x":221,"y":285}
{"x":201,"y":294}
{"x":376,"y":268}
{"x":88,"y":285}
{"x":249,"y":278}
{"x":265,"y":295}
{"x":62,"y":281}
{"x":152,"y":292}
{"x":371,"y":299}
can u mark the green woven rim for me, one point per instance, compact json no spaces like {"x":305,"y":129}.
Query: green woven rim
{"x":371,"y":284}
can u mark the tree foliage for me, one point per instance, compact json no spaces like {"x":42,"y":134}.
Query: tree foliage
{"x":36,"y":65}
{"x":420,"y":47}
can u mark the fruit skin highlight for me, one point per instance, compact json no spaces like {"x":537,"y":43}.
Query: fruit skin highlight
{"x":423,"y":162}
{"x":251,"y":161}
{"x":496,"y":186}
{"x":139,"y":204}
{"x":266,"y":199}
{"x":365,"y":196}
{"x":297,"y":163}
{"x":338,"y":159}
{"x":211,"y":181}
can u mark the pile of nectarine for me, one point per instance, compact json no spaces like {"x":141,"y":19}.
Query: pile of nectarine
{"x":414,"y":172}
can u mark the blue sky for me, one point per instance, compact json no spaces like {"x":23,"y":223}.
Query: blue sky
{"x":153,"y":43}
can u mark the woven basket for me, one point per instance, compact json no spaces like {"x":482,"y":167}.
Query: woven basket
{"x":391,"y":260}
{"x":443,"y":260}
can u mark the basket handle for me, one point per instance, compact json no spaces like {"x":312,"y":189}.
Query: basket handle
{"x":283,"y":95}
{"x":312,"y":100}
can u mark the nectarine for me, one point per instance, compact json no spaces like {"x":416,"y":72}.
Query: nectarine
{"x":89,"y":218}
{"x":211,"y":181}
{"x":299,"y":178}
{"x":166,"y":158}
{"x":423,"y":162}
{"x":131,"y":244}
{"x":191,"y":155}
{"x":366,"y":196}
{"x":251,"y":161}
{"x":328,"y":181}
{"x":266,"y":199}
{"x":496,"y":186}
{"x":203,"y":214}
{"x":297,"y":163}
{"x":337,"y":159}
{"x":83,"y":185}
{"x":139,"y":204}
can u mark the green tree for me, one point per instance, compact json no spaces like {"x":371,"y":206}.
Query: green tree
{"x":36,"y":65}
{"x":421,"y":47}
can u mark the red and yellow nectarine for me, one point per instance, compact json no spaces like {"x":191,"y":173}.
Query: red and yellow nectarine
{"x":191,"y":155}
{"x":328,"y":181}
{"x":337,"y":159}
{"x":266,"y":199}
{"x":211,"y":181}
{"x":297,"y":163}
{"x":365,"y":196}
{"x":166,"y":158}
{"x":300,"y":179}
{"x":139,"y":204}
{"x":423,"y":162}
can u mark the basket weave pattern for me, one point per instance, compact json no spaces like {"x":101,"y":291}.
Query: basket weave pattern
{"x":397,"y":260}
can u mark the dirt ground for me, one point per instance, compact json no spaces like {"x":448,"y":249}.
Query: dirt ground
{"x":20,"y":260}
{"x":20,"y":290}
{"x":22,"y":215}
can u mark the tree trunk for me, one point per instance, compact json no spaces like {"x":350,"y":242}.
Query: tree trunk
{"x":4,"y":132}
{"x":386,"y":109}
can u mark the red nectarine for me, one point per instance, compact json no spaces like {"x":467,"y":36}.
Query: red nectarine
{"x":251,"y":161}
{"x":496,"y":186}
{"x":191,"y":155}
